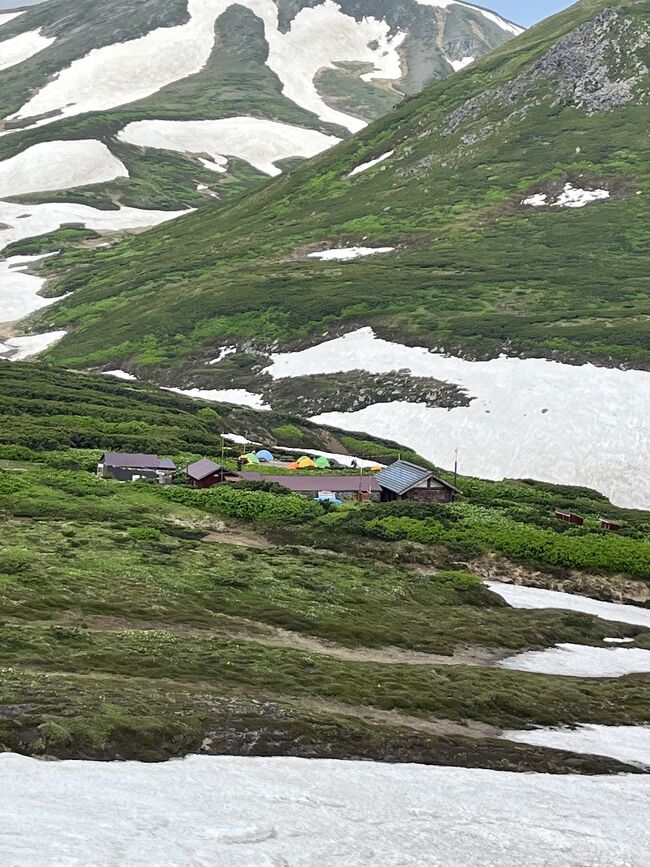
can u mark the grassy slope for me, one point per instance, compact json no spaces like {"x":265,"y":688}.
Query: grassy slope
{"x":474,"y":270}
{"x":104,"y":585}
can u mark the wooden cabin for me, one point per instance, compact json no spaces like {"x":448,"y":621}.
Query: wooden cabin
{"x":128,"y":467}
{"x":569,"y":518}
{"x":611,"y":526}
{"x":406,"y":481}
{"x":205,"y":473}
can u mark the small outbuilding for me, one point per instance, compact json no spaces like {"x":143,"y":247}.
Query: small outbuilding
{"x":406,"y":481}
{"x":205,"y":473}
{"x":128,"y":467}
{"x":360,"y":488}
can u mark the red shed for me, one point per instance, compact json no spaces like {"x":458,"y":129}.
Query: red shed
{"x":612,"y":526}
{"x":569,"y":518}
{"x":205,"y":474}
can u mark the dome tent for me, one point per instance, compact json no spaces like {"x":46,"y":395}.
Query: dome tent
{"x":305,"y":463}
{"x":264,"y":455}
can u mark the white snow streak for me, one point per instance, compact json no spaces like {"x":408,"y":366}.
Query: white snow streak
{"x":581,"y":660}
{"x":125,"y":72}
{"x":18,"y":290}
{"x":22,"y":47}
{"x":502,"y":23}
{"x":18,"y":348}
{"x":531,"y":418}
{"x":627,"y":743}
{"x":534,"y":597}
{"x":344,"y":254}
{"x":238,"y":812}
{"x":238,"y":396}
{"x":59,"y":165}
{"x":260,"y":142}
{"x":364,"y":166}
{"x":6,"y":17}
{"x":120,"y":374}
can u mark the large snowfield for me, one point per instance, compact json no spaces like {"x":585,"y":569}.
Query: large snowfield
{"x":285,"y":812}
{"x":59,"y":165}
{"x":19,"y":48}
{"x":260,"y":142}
{"x":530,"y":418}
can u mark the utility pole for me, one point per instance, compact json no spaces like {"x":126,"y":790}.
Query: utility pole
{"x":456,"y":468}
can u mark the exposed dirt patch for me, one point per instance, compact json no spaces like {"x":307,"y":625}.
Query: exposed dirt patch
{"x":242,"y":538}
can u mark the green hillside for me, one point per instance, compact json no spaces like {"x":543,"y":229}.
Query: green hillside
{"x":474,"y":270}
{"x":146,"y":622}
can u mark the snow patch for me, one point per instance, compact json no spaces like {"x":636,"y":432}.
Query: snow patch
{"x":365,"y":166}
{"x":120,"y":374}
{"x":224,"y":352}
{"x":6,"y":17}
{"x":18,"y":348}
{"x":570,"y":197}
{"x":20,"y":48}
{"x":59,"y":165}
{"x":581,"y":660}
{"x":626,"y":743}
{"x":235,"y":811}
{"x":618,"y":640}
{"x":460,"y":64}
{"x":505,"y":432}
{"x":18,"y":290}
{"x":534,"y":597}
{"x":502,"y":23}
{"x":260,"y":142}
{"x":344,"y":254}
{"x":238,"y":396}
{"x":29,"y":221}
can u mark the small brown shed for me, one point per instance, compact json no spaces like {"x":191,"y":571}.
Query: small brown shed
{"x":205,"y":473}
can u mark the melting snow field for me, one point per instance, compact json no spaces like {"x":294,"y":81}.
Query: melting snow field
{"x":530,"y":418}
{"x":240,"y":812}
{"x":344,"y":254}
{"x":125,"y":72}
{"x":21,"y":47}
{"x":580,"y":660}
{"x":29,"y":221}
{"x":533,"y":597}
{"x":19,"y":348}
{"x":626,"y":743}
{"x":18,"y":290}
{"x":260,"y":142}
{"x":59,"y":165}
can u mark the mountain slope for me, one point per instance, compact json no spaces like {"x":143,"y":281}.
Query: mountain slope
{"x":469,"y":192}
{"x":73,"y":70}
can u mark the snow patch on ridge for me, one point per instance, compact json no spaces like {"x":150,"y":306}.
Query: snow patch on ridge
{"x":260,"y":142}
{"x":344,"y":254}
{"x":502,"y":23}
{"x":625,"y":743}
{"x":581,"y":660}
{"x":238,"y":396}
{"x":20,"y":48}
{"x":6,"y":17}
{"x":364,"y":166}
{"x":460,"y":64}
{"x":19,"y":291}
{"x":535,"y":598}
{"x":59,"y":165}
{"x":530,"y":418}
{"x":235,"y":811}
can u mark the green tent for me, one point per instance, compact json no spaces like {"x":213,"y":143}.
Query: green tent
{"x":322,"y":463}
{"x":252,"y":458}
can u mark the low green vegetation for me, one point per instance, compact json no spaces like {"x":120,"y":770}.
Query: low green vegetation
{"x":139,"y":621}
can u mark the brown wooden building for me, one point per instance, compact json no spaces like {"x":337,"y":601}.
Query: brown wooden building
{"x":129,"y":467}
{"x":205,"y":473}
{"x":406,"y":481}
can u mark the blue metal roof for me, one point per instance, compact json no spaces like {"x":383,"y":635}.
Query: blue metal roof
{"x":401,"y":476}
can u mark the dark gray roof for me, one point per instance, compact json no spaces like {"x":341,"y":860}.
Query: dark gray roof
{"x":131,"y":461}
{"x":401,"y":476}
{"x":305,"y":484}
{"x":202,"y":469}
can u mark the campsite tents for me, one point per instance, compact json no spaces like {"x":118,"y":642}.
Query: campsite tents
{"x":306,"y":463}
{"x":250,"y":458}
{"x":322,"y":463}
{"x":264,"y":455}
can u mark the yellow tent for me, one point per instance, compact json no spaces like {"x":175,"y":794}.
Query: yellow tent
{"x":306,"y":464}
